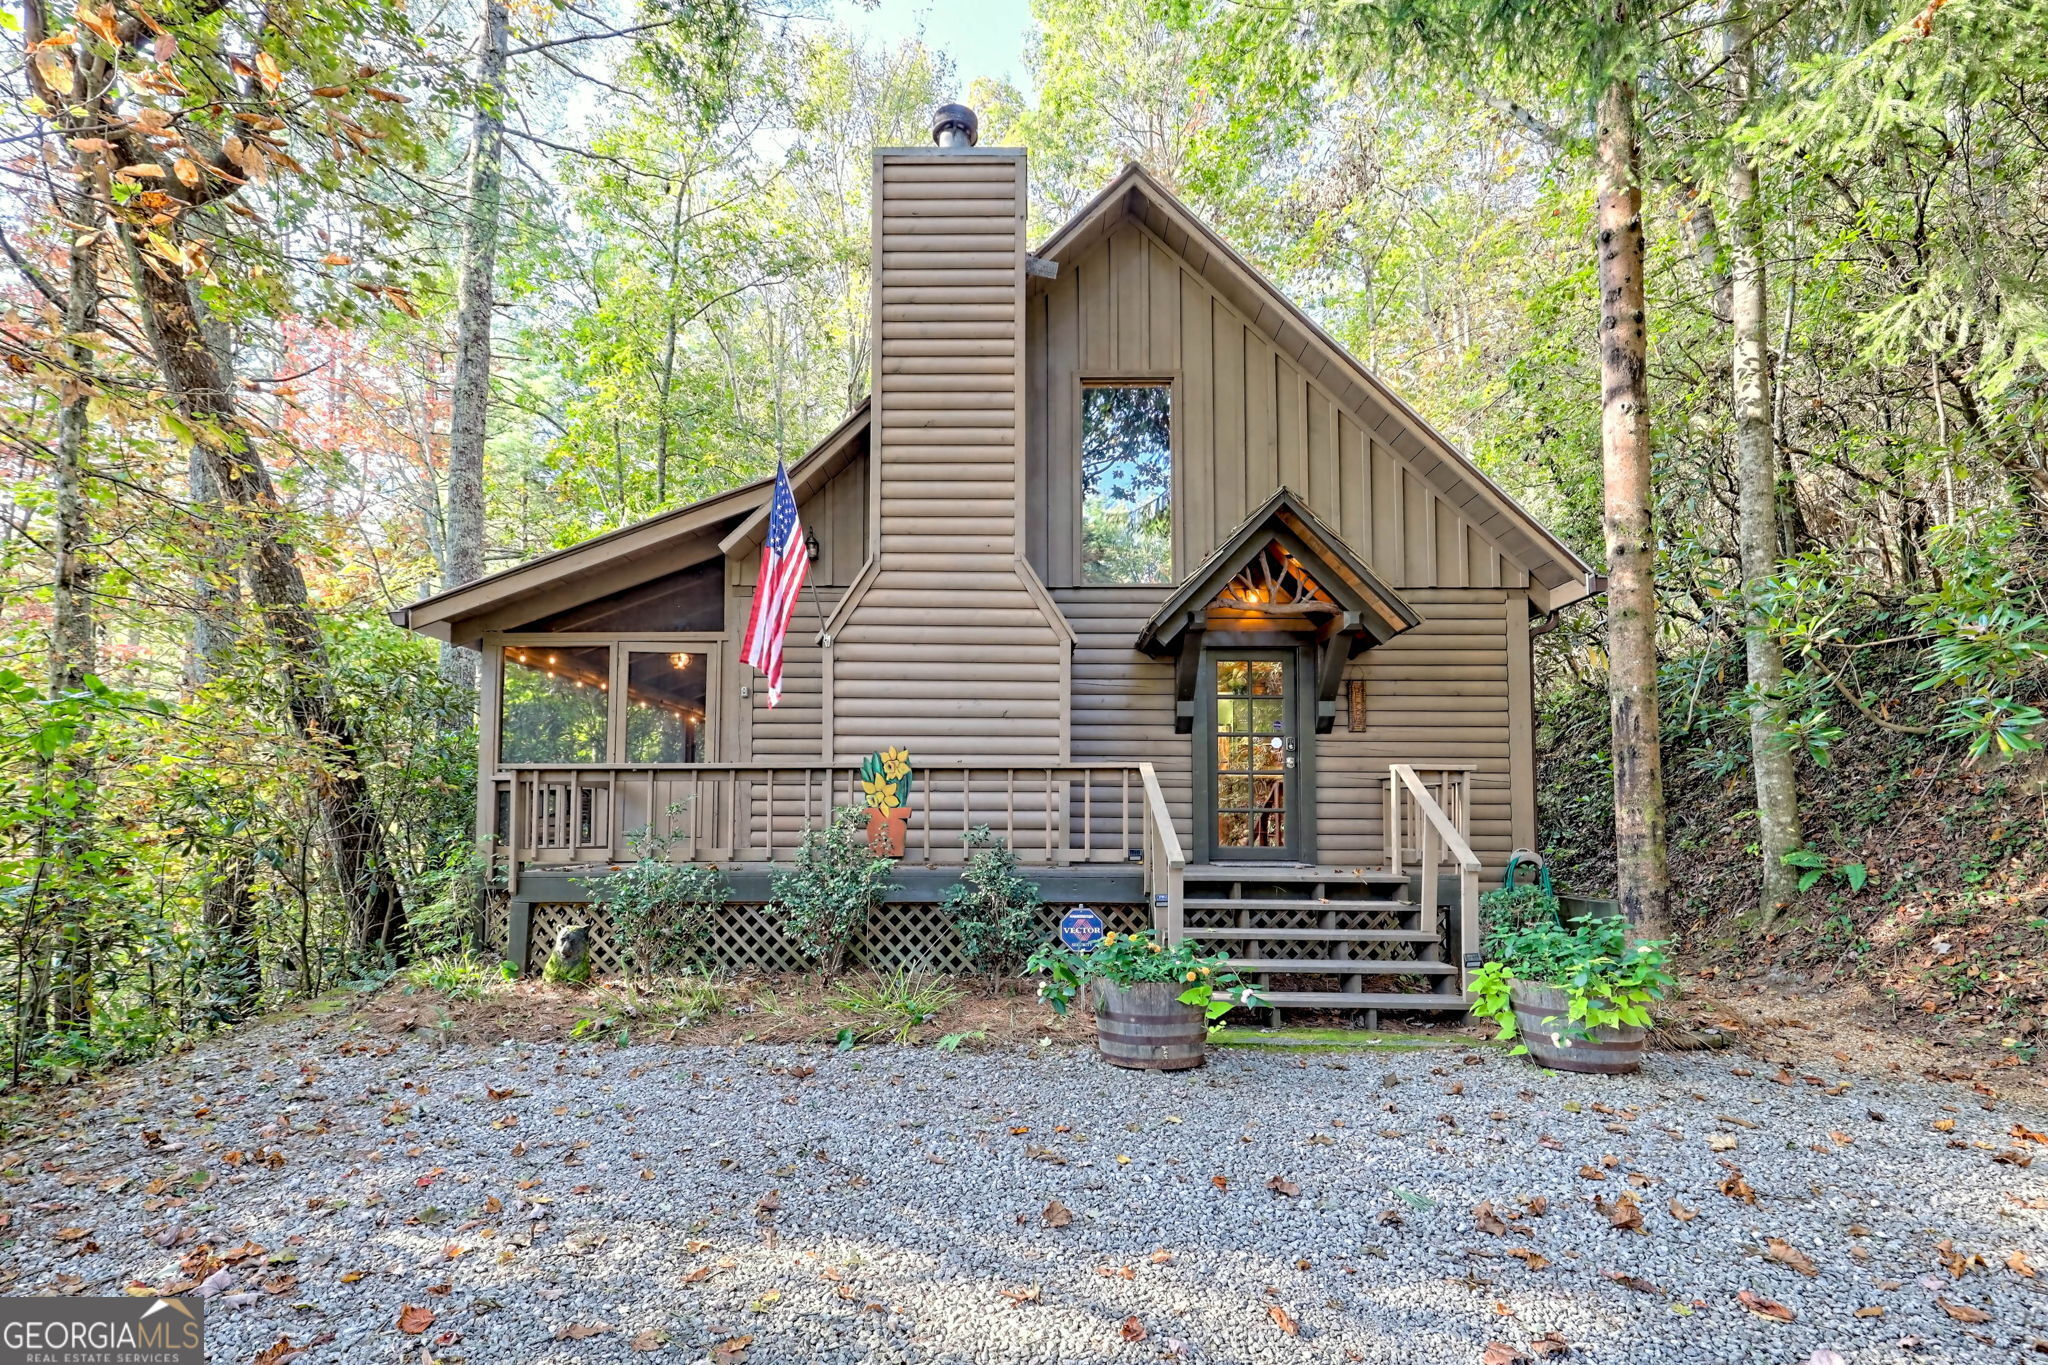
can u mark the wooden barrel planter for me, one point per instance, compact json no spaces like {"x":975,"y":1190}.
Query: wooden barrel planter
{"x":1146,"y":1027}
{"x":1609,"y":1051}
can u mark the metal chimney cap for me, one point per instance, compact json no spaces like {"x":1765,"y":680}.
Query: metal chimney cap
{"x":954,"y":125}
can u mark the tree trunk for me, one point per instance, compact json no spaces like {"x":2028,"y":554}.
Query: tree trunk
{"x":1640,"y":870}
{"x":200,"y":386}
{"x":470,"y":402}
{"x":1772,"y":758}
{"x":74,"y":624}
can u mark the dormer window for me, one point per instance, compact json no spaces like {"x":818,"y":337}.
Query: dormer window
{"x":1126,"y":482}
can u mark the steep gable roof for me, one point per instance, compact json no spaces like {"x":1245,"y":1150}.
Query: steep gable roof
{"x":1558,"y":574}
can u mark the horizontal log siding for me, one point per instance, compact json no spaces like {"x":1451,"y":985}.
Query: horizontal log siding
{"x":1438,"y":693}
{"x":948,"y":650}
{"x":1247,"y":419}
{"x":1122,"y":700}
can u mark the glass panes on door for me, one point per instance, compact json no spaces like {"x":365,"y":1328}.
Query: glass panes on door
{"x":1251,"y":753}
{"x":555,"y":704}
{"x":665,"y":706}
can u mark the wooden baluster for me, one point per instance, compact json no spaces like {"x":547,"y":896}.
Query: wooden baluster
{"x":1124,"y":807}
{"x":1430,"y":856}
{"x":1087,"y":813}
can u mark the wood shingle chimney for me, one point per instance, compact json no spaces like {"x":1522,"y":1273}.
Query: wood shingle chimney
{"x":948,"y":643}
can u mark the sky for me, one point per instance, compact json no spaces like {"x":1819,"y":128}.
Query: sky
{"x":984,"y":37}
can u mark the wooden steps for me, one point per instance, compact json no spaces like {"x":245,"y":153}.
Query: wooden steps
{"x":1317,"y":935}
{"x":1344,"y":966}
{"x":1359,"y":1000}
{"x":1282,"y":896}
{"x":1249,"y":903}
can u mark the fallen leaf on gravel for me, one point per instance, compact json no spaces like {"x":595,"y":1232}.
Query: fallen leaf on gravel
{"x":1281,"y":1185}
{"x":768,"y":1203}
{"x":1550,"y":1344}
{"x":1875,"y":1310}
{"x":1500,"y":1353}
{"x":1735,"y":1187}
{"x":1132,"y":1330}
{"x":1534,"y":1260}
{"x":1219,"y":1182}
{"x":1721,"y":1142}
{"x":1057,"y":1215}
{"x":1768,"y":1309}
{"x":1161,"y":1258}
{"x":2025,"y":1134}
{"x":1681,"y":1212}
{"x":1962,"y":1312}
{"x":1591,"y":1173}
{"x":277,"y":1352}
{"x":1944,"y":1125}
{"x":1635,"y":1282}
{"x":1552,"y":1143}
{"x":1488,"y":1221}
{"x":1021,"y":1295}
{"x":1281,"y":1320}
{"x":219,"y":1282}
{"x":1624,"y":1214}
{"x":70,"y":1234}
{"x":732,"y":1351}
{"x":1826,"y":1355}
{"x":2018,"y":1264}
{"x":582,"y":1331}
{"x":1046,"y":1154}
{"x":1791,"y":1257}
{"x":413,"y":1319}
{"x":1537,"y":1205}
{"x":649,"y":1339}
{"x":2012,"y":1156}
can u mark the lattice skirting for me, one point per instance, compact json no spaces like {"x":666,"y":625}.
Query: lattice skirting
{"x":746,"y":938}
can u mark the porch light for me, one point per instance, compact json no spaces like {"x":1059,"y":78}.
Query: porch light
{"x":810,"y":545}
{"x":679,"y":662}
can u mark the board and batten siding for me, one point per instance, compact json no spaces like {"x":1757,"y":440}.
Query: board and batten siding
{"x":948,"y":646}
{"x":1246,"y":420}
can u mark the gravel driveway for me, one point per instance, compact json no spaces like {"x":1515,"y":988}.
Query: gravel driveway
{"x":796,"y":1204}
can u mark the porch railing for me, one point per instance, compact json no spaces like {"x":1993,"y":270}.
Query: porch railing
{"x":1050,"y":815}
{"x":1414,"y":810}
{"x":1164,"y":861}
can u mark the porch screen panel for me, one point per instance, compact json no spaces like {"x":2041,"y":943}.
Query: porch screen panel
{"x":665,"y":696}
{"x":1251,"y":725}
{"x":554,"y":704}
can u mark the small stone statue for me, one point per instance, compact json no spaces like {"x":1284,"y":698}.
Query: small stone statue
{"x":569,"y":963}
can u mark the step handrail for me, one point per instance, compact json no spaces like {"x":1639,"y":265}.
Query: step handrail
{"x":1439,"y":826}
{"x":1454,"y":842}
{"x":1165,"y":863}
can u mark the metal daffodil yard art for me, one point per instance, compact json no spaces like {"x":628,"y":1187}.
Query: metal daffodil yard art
{"x":886,"y":779}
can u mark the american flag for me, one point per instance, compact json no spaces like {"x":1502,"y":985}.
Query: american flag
{"x":783,"y":565}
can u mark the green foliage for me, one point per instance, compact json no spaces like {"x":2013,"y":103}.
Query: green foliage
{"x":455,"y":975}
{"x":1607,"y":980}
{"x":893,"y":1005}
{"x":831,"y":887}
{"x":995,"y":910}
{"x":1813,"y":866}
{"x":1129,"y":959}
{"x":1510,"y":909}
{"x":662,"y":912}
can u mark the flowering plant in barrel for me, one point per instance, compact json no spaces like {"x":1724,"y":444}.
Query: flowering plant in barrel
{"x":1574,"y":993}
{"x":1154,"y":1005}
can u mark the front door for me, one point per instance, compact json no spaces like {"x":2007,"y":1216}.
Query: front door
{"x":1254,"y":765}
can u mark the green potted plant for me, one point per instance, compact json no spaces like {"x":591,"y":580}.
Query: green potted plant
{"x":1575,"y":994}
{"x":1154,"y":1005}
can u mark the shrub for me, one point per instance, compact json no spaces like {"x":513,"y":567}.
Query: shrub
{"x":459,"y":976}
{"x":662,"y":912}
{"x":995,"y":910}
{"x":835,"y":882}
{"x":1511,"y":909}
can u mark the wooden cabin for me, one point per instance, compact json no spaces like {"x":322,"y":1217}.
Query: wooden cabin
{"x":1145,"y":572}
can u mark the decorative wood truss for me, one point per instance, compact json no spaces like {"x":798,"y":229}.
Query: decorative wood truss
{"x":1282,"y":578}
